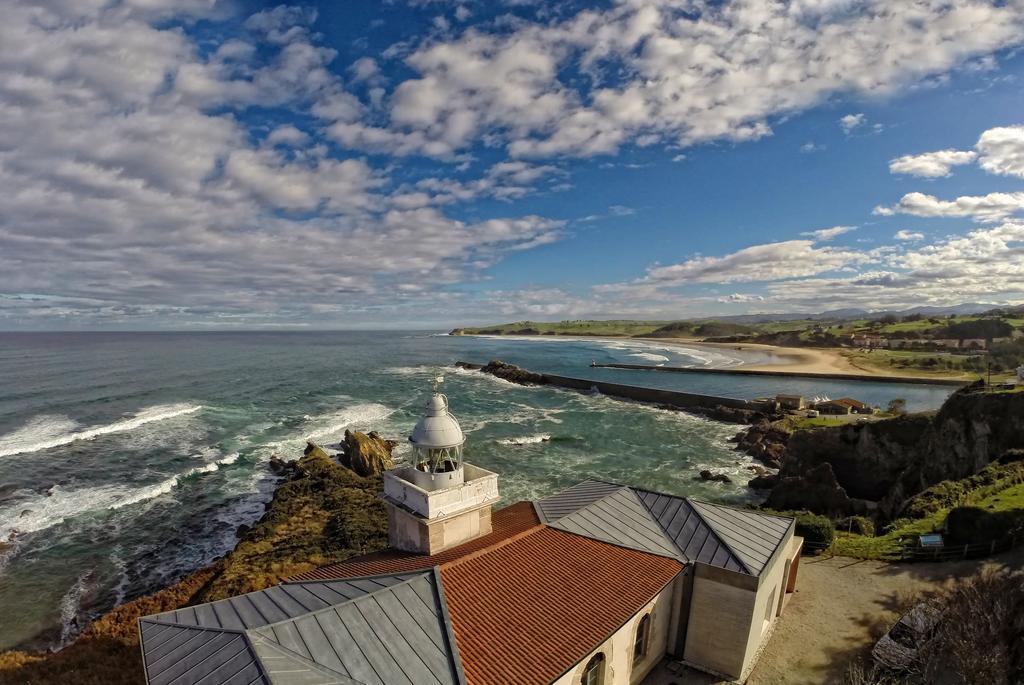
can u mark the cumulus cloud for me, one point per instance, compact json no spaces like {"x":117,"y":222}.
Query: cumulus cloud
{"x":850,"y":122}
{"x":133,"y":188}
{"x":823,"y":234}
{"x":739,"y":64}
{"x":1001,"y":151}
{"x":768,"y":262}
{"x":985,"y":208}
{"x":984,"y":264}
{"x":931,"y":164}
{"x":909,"y":235}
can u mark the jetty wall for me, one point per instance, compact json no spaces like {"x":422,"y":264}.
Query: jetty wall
{"x":794,"y":374}
{"x":682,"y":400}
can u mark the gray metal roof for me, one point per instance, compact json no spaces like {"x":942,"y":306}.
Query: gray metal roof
{"x":679,"y":527}
{"x":184,"y":654}
{"x":277,"y":603}
{"x":695,"y":538}
{"x":364,"y":631}
{"x":752,"y":536}
{"x":571,"y":499}
{"x":391,"y":637}
{"x":621,"y":519}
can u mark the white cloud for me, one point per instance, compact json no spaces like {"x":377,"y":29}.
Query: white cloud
{"x":739,"y":64}
{"x":134,"y":191}
{"x":986,"y":208}
{"x":742,"y":297}
{"x":768,"y":262}
{"x":1001,"y":151}
{"x":912,"y":236}
{"x":852,"y":121}
{"x":824,"y":234}
{"x":931,"y":164}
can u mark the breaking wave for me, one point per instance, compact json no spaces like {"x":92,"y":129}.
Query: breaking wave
{"x":650,"y":357}
{"x":358,"y":415}
{"x":70,"y":607}
{"x":58,"y":505}
{"x":46,"y":432}
{"x":528,"y":440}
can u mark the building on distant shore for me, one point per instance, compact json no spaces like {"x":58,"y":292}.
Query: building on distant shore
{"x":595,"y":585}
{"x":791,"y":402}
{"x":846,"y":405}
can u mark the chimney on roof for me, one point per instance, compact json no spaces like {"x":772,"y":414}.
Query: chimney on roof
{"x":438,"y":501}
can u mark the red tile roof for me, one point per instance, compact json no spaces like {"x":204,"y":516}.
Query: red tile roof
{"x":532,"y":606}
{"x":505,"y":523}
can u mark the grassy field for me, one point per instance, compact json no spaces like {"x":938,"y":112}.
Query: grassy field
{"x":914,"y":363}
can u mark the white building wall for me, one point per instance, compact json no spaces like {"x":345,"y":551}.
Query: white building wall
{"x":618,"y":649}
{"x":773,"y":590}
{"x":721,"y":611}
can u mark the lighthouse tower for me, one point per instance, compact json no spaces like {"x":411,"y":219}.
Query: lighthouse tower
{"x":437,"y":500}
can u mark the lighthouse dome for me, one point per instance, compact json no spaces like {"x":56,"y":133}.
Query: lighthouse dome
{"x":437,"y":428}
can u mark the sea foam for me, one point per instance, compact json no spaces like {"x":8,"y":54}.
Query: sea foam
{"x":46,"y":432}
{"x":58,"y":505}
{"x":528,"y":440}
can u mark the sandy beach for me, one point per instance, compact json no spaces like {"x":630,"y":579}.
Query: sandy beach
{"x":794,"y":359}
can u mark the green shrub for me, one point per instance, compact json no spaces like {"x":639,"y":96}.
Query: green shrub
{"x":966,"y":525}
{"x":953,"y":493}
{"x":861,"y":525}
{"x":816,"y":530}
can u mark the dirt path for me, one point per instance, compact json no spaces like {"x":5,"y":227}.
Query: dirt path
{"x":842,"y":606}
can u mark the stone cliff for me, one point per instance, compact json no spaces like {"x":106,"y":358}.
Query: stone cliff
{"x":875,"y":467}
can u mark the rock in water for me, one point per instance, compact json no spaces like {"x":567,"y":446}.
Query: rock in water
{"x":367,"y":454}
{"x":513,"y":374}
{"x":714,"y":477}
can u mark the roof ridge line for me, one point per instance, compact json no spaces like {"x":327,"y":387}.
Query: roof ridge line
{"x":419,"y":574}
{"x":490,"y":548}
{"x":189,"y":626}
{"x":650,"y":514}
{"x":718,"y":537}
{"x":757,"y":512}
{"x":291,"y":653}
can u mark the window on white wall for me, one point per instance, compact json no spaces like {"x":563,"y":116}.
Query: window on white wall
{"x":643,"y":638}
{"x":769,"y":611}
{"x":593,"y":674}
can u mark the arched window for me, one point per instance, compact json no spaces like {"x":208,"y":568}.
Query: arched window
{"x":593,"y":674}
{"x":643,"y":638}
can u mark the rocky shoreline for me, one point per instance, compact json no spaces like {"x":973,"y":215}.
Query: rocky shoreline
{"x":325,"y":509}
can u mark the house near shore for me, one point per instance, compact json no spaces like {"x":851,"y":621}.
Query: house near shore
{"x":595,"y":585}
{"x":846,"y":405}
{"x":791,"y":402}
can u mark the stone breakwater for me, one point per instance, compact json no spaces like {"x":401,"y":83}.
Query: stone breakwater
{"x":764,"y":440}
{"x":727,"y":408}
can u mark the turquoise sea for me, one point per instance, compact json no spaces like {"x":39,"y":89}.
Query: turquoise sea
{"x":130,"y":459}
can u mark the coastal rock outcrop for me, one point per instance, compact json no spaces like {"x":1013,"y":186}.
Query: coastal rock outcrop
{"x":816,"y":490}
{"x":887,"y":462}
{"x":368,"y":454}
{"x":513,"y":374}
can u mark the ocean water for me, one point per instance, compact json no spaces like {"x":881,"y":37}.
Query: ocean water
{"x":130,"y":459}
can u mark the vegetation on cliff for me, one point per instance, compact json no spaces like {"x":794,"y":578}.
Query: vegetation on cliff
{"x":321,"y":513}
{"x":978,"y":637}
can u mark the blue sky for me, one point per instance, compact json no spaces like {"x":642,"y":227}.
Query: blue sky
{"x":431,"y":163}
